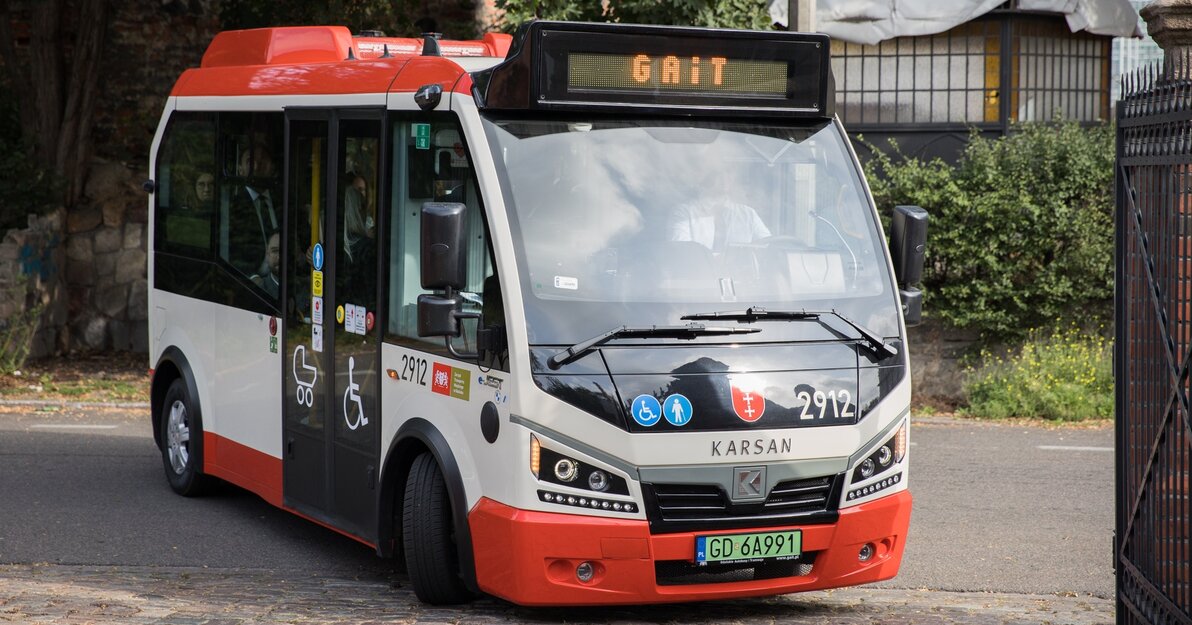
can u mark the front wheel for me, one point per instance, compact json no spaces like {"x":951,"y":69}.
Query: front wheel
{"x":428,"y":536}
{"x":181,"y":438}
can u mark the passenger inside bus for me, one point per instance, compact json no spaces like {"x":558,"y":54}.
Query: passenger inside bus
{"x":253,"y":212}
{"x":359,"y":226}
{"x":200,"y":199}
{"x":270,"y":281}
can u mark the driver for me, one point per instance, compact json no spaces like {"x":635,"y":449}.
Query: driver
{"x":715,"y":220}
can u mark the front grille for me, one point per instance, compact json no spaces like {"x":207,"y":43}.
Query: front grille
{"x":680,"y":507}
{"x":801,"y":495}
{"x":684,"y":573}
{"x":689,"y":501}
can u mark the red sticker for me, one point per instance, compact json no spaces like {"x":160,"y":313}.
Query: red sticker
{"x":273,"y":326}
{"x":749,"y":405}
{"x":368,"y":321}
{"x":440,"y":381}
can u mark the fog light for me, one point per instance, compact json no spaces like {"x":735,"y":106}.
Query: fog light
{"x":585,"y":572}
{"x":566,"y":470}
{"x":867,"y":468}
{"x":598,"y":480}
{"x":884,"y":456}
{"x":866,"y":552}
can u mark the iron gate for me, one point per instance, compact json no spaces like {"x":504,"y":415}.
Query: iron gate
{"x":1153,"y":314}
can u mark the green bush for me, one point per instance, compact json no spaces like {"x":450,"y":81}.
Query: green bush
{"x":1066,"y":375}
{"x":1021,"y":229}
{"x":749,"y":14}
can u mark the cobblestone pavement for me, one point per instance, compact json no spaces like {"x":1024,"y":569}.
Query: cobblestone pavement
{"x":77,"y":595}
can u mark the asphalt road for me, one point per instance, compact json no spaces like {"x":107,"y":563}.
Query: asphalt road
{"x":998,"y":508}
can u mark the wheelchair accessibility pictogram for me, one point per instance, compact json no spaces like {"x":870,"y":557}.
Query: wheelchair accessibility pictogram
{"x":353,"y":393}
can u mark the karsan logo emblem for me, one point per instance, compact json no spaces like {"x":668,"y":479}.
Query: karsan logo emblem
{"x":748,"y":401}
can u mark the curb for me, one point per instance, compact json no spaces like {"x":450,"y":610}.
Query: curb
{"x":74,"y":405}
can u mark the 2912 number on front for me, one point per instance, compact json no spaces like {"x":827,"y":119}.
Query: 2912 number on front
{"x":749,"y":547}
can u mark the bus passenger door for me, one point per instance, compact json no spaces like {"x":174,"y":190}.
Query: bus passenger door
{"x":306,"y":359}
{"x":332,"y":416}
{"x":353,"y":321}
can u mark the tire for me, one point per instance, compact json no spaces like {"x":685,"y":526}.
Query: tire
{"x":428,"y":536}
{"x":182,"y":442}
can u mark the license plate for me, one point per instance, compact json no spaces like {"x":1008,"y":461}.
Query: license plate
{"x":786,"y":545}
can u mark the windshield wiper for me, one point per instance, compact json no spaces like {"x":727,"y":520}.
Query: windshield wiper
{"x":689,"y":331}
{"x":756,"y":313}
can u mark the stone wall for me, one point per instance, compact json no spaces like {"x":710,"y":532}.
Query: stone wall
{"x":106,"y":242}
{"x":937,"y":353}
{"x":31,"y":262}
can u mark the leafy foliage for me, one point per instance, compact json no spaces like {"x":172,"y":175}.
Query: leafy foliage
{"x":749,"y":14}
{"x":394,"y":17}
{"x":1021,"y":229}
{"x":17,"y":330}
{"x":1066,"y":375}
{"x":24,"y":187}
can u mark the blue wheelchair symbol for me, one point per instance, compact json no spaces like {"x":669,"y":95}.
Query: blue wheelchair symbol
{"x":677,"y":410}
{"x":646,"y":410}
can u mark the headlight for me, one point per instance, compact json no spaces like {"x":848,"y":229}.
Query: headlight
{"x":598,"y":480}
{"x":867,"y":468}
{"x":889,"y":454}
{"x":566,"y":469}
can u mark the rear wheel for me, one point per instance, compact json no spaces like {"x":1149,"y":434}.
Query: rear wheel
{"x":428,"y":536}
{"x":181,"y":440}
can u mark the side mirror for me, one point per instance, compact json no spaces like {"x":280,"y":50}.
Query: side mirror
{"x":443,"y":245}
{"x":444,"y":267}
{"x":438,"y":315}
{"x":908,"y":243}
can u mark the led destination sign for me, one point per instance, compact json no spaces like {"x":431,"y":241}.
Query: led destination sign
{"x":693,"y":74}
{"x":663,"y":69}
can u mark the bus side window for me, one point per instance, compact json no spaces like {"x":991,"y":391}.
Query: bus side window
{"x":431,"y":163}
{"x":186,"y":186}
{"x":250,"y":197}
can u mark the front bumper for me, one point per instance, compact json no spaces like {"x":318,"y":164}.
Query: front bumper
{"x":529,"y":557}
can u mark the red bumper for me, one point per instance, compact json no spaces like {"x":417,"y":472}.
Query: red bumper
{"x":530,"y":557}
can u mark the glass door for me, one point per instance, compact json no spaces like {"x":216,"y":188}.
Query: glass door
{"x":332,"y":338}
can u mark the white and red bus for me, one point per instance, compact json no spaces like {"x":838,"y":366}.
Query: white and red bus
{"x":596,"y":314}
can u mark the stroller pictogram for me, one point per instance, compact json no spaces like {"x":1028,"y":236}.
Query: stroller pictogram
{"x":305,"y":393}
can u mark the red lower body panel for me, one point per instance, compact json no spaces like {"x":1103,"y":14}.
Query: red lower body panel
{"x":244,"y":466}
{"x":530,"y":557}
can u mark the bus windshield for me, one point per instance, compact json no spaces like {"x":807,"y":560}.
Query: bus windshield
{"x":643,"y":221}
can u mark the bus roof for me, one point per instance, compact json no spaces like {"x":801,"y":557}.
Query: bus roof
{"x":307,"y":60}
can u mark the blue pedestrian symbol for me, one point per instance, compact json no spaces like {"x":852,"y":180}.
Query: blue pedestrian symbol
{"x":646,"y":410}
{"x":316,"y":256}
{"x":677,"y":409}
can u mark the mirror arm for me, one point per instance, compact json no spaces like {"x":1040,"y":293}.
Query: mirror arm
{"x":459,"y":316}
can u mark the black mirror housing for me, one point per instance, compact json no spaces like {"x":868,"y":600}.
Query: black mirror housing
{"x":437,"y":316}
{"x":908,"y":242}
{"x":912,"y":306}
{"x":443,"y":247}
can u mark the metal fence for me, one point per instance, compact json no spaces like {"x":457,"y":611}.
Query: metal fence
{"x":1153,"y":541}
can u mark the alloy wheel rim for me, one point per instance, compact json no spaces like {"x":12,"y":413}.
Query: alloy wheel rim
{"x":178,"y":438}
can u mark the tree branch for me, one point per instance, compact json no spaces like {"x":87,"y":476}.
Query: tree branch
{"x":73,"y":150}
